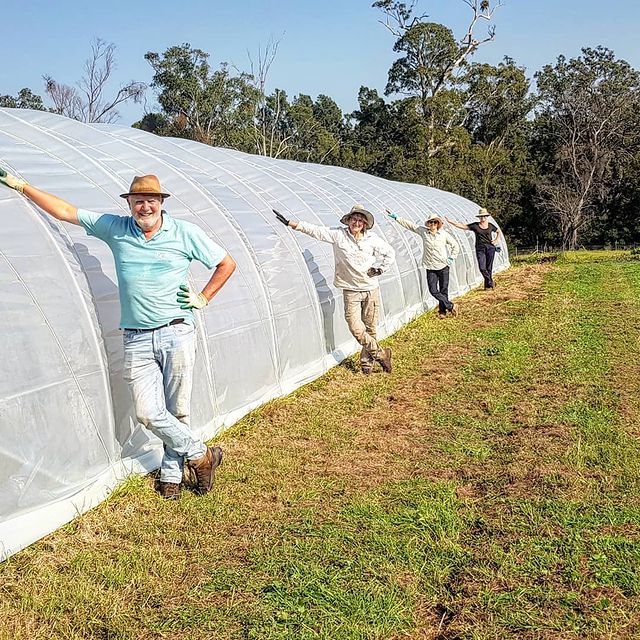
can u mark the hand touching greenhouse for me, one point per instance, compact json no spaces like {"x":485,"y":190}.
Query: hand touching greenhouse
{"x":153,"y":252}
{"x":360,"y":257}
{"x":487,"y":236}
{"x":439,"y":250}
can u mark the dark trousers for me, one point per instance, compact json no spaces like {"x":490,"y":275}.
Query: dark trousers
{"x":485,"y":257}
{"x":438,"y":283}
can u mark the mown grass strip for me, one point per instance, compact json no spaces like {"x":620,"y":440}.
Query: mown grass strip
{"x":484,"y":490}
{"x":555,"y":572}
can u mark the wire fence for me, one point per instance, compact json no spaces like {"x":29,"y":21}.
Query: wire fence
{"x":549,"y":248}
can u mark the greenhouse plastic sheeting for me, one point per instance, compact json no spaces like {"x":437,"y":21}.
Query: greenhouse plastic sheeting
{"x":68,"y":434}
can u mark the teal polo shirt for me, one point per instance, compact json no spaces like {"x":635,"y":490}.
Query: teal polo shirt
{"x":150,"y":272}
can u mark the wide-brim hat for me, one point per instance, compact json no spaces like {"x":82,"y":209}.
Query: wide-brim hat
{"x":358,"y":208}
{"x":482,"y":213}
{"x":145,"y":186}
{"x":435,"y":216}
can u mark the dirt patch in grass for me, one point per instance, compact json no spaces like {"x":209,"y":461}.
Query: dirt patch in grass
{"x":395,"y":438}
{"x":626,"y":377}
{"x":398,"y":438}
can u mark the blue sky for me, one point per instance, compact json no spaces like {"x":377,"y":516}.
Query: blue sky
{"x":326,"y":46}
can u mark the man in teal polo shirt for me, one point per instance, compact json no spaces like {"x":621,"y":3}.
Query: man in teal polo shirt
{"x":152,"y":253}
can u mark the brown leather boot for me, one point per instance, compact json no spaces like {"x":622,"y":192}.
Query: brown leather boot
{"x":169,"y":490}
{"x":384,"y":358}
{"x":204,"y":468}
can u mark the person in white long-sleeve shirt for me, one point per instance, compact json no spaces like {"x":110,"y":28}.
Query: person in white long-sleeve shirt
{"x":439,"y":250}
{"x":360,"y":258}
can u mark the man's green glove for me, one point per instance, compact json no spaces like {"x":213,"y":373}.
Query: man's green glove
{"x":450,"y":261}
{"x":190,"y":300}
{"x":393,"y":216}
{"x":12,"y":181}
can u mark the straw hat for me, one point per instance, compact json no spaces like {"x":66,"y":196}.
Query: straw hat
{"x":358,"y":208}
{"x":482,"y":213}
{"x":145,"y":186}
{"x":435,"y":216}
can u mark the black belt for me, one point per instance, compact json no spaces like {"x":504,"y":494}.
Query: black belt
{"x":162,"y":326}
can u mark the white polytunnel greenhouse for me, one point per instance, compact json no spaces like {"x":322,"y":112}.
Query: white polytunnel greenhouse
{"x":68,"y":432}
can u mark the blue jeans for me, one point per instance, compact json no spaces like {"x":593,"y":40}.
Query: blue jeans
{"x":438,"y":283}
{"x":485,"y":257}
{"x":158,"y":365}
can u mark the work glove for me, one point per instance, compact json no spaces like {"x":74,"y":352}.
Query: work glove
{"x":450,"y":261}
{"x":190,"y":299}
{"x":498,"y":249}
{"x":12,"y":181}
{"x":280,"y":217}
{"x":393,"y":216}
{"x":373,"y":272}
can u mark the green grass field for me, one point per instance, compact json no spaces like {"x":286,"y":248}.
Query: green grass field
{"x":488,"y":489}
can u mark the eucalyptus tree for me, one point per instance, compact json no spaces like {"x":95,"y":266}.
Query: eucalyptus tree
{"x":317,"y":128}
{"x":498,"y":103}
{"x":500,"y":171}
{"x":213,"y":106}
{"x":271,"y":127}
{"x":621,"y":212}
{"x":381,"y":138}
{"x":301,"y":129}
{"x":25,"y":99}
{"x":427,"y":71}
{"x":586,"y":125}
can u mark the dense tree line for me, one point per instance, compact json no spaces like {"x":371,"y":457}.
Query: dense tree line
{"x":556,"y":162}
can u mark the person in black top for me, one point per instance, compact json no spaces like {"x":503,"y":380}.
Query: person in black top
{"x":487,"y":238}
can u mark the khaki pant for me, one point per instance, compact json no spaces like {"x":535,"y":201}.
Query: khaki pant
{"x":361,"y":309}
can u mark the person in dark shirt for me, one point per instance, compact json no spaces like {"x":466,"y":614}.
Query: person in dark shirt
{"x":487,"y":238}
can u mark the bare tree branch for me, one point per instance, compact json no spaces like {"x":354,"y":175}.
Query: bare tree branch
{"x":91,"y":105}
{"x":399,"y":17}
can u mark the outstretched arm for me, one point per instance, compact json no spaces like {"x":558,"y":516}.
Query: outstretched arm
{"x":54,"y":206}
{"x":464,"y":227}
{"x":407,"y":224}
{"x":315,"y":231}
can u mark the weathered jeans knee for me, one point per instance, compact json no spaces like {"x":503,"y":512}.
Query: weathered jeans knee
{"x":158,"y":366}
